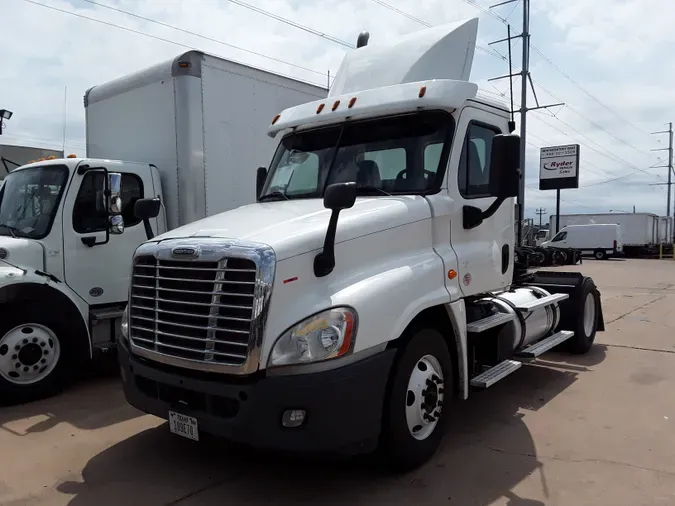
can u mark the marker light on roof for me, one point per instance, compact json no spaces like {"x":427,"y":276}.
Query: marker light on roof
{"x":320,"y":108}
{"x":423,"y":90}
{"x":72,"y":155}
{"x":276,"y":118}
{"x":336,"y":104}
{"x":352,"y":102}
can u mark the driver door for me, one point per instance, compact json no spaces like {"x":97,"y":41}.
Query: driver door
{"x":99,"y":274}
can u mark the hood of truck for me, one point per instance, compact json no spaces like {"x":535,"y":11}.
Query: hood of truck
{"x":294,"y":227}
{"x":22,"y":252}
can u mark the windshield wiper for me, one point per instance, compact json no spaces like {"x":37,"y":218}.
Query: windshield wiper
{"x":372,"y":189}
{"x":12,"y":230}
{"x":273,"y":195}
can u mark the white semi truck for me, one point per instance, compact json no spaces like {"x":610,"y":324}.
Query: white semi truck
{"x":188,"y":131}
{"x":370,"y":288}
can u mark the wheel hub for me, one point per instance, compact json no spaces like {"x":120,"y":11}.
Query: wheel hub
{"x":424,"y":399}
{"x":28,"y":353}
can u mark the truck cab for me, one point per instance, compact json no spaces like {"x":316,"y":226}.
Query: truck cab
{"x":67,"y":229}
{"x":372,"y":285}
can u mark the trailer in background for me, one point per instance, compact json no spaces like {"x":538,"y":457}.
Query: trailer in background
{"x":644,"y":234}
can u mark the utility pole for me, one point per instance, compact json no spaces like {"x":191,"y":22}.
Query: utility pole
{"x":541,"y":211}
{"x":669,"y":166}
{"x":524,"y":79}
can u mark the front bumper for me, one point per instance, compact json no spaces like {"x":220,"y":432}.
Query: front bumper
{"x":344,"y":406}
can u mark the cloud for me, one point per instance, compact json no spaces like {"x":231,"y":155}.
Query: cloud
{"x":623,"y":63}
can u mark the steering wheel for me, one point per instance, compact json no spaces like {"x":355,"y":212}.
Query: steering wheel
{"x":427,"y":174}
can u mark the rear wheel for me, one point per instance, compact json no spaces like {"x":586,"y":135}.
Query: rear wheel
{"x":586,"y":320}
{"x":421,"y":389}
{"x":35,"y":356}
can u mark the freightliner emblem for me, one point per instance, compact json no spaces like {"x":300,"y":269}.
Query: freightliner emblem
{"x":185,"y":252}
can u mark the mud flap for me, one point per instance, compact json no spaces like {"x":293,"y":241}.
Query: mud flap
{"x":571,"y":283}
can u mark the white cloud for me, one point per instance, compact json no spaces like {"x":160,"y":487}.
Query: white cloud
{"x":617,"y":50}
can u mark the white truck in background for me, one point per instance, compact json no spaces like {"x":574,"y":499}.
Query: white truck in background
{"x":600,"y":240}
{"x":642,"y":233}
{"x":373,"y":283}
{"x":189,"y":131}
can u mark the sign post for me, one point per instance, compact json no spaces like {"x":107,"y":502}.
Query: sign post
{"x":558,"y":170}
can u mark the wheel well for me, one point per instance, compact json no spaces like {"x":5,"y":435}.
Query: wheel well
{"x":53,"y":301}
{"x":433,"y":317}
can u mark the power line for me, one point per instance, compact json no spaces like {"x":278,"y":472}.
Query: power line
{"x":293,"y":23}
{"x":556,"y":67}
{"x":145,"y":34}
{"x":201,"y":36}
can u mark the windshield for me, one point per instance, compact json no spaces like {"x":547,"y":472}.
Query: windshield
{"x":394,"y":155}
{"x":29,"y":199}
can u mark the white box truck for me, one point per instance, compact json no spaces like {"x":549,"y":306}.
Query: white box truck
{"x":600,"y":240}
{"x":640,"y":231}
{"x":189,"y":131}
{"x":372,"y":285}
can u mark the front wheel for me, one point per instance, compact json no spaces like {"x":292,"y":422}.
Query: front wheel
{"x":600,"y":254}
{"x":421,"y":389}
{"x":34,"y":356}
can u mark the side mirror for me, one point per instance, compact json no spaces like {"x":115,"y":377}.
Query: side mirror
{"x":114,"y":197}
{"x":505,"y":170}
{"x":144,"y":209}
{"x":116,"y":224}
{"x":260,"y":178}
{"x":340,"y":196}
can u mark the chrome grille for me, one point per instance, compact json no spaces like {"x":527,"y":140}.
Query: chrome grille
{"x":196,"y":310}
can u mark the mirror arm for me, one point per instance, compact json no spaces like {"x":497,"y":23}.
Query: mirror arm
{"x":148,"y":229}
{"x":324,"y":262}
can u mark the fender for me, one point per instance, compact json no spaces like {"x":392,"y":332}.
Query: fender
{"x":457,"y":315}
{"x":23,"y":285}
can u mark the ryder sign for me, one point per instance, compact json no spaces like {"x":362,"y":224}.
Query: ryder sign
{"x":559,"y":167}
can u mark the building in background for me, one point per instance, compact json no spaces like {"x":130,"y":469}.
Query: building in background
{"x":13,"y":156}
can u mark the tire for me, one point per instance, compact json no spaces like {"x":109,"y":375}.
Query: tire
{"x":402,"y":450}
{"x":586,"y":323}
{"x":600,"y":254}
{"x":37,"y":355}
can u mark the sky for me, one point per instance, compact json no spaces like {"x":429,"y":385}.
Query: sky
{"x":607,"y":60}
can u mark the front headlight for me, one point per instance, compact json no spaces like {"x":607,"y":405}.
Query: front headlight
{"x":124,"y":326}
{"x":326,"y":335}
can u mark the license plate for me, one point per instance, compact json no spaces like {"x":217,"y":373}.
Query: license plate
{"x":183,"y":425}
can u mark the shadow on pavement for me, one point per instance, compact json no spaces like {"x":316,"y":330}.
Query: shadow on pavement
{"x":488,"y":450}
{"x":95,"y":401}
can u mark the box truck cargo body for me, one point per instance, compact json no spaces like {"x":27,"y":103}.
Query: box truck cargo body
{"x":201,"y":120}
{"x":185,"y":136}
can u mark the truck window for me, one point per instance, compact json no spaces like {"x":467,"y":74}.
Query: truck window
{"x":389,"y":161}
{"x":89,"y":215}
{"x":474,"y":163}
{"x":559,"y":237}
{"x":399,"y":155}
{"x":29,"y":200}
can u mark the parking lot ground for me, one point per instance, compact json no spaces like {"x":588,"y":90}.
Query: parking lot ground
{"x":592,"y":430}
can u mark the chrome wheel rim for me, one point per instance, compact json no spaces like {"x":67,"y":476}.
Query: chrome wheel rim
{"x":28,"y":354}
{"x":424,"y":397}
{"x":589,"y":314}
